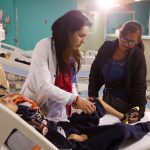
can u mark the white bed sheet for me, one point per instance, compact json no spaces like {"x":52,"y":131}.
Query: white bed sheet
{"x":143,"y":144}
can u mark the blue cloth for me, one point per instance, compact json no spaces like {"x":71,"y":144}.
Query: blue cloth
{"x":114,"y":71}
{"x":73,"y":70}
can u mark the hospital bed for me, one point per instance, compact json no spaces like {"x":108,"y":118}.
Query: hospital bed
{"x":14,"y":72}
{"x":17,"y":51}
{"x":87,"y":58}
{"x":12,"y":66}
{"x":142,"y":144}
{"x":10,"y":120}
{"x":16,"y":65}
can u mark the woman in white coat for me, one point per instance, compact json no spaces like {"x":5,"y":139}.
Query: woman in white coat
{"x":54,"y":64}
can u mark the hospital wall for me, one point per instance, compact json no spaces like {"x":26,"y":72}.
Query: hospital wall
{"x":107,"y":21}
{"x":31,"y":20}
{"x":97,"y":16}
{"x":138,"y":11}
{"x":8,"y":10}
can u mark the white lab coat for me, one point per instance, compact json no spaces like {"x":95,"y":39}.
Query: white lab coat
{"x":39,"y":85}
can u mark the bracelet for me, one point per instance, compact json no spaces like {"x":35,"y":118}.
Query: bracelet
{"x":75,"y":101}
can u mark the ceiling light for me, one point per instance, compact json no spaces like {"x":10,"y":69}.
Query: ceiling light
{"x":106,"y":4}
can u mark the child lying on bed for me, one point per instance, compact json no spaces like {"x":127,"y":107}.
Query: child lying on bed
{"x":82,"y":130}
{"x":27,"y":108}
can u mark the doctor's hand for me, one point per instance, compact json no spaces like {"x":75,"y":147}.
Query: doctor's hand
{"x":85,"y":105}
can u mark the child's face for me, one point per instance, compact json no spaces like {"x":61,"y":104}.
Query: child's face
{"x":9,"y":104}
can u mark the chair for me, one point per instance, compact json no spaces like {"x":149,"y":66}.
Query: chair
{"x":10,"y":120}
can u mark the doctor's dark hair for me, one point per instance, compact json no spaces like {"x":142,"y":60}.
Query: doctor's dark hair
{"x":62,"y":29}
{"x":133,"y":27}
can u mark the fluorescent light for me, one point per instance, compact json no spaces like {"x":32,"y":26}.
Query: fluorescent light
{"x":117,"y":5}
{"x":106,"y":4}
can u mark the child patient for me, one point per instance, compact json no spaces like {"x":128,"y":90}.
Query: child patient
{"x":30,"y":112}
{"x":62,"y":134}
